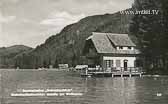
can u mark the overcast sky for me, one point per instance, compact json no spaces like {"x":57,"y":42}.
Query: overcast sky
{"x":31,"y":22}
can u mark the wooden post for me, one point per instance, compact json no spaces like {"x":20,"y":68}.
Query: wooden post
{"x":130,"y":75}
{"x":86,"y":72}
{"x":122,"y":75}
{"x":140,"y":75}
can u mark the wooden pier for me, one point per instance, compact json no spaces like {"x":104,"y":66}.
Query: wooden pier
{"x":130,"y":72}
{"x":126,"y":74}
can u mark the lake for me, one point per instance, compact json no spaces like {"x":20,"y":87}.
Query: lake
{"x":135,"y":90}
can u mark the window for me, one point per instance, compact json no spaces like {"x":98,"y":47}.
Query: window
{"x":118,"y":63}
{"x":111,"y":63}
{"x":108,"y":63}
{"x":129,"y":47}
{"x":120,"y":47}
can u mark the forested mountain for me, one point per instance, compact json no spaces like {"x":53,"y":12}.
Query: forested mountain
{"x":66,"y":46}
{"x":8,"y":54}
{"x":149,"y":31}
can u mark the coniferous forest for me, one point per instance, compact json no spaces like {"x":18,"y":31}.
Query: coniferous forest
{"x":152,"y":33}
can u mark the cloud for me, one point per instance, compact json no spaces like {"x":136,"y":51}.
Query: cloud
{"x":30,"y":22}
{"x":92,"y":7}
{"x":14,"y":1}
{"x":6,"y":19}
{"x":62,"y":19}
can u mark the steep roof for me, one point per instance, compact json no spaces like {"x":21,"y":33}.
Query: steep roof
{"x":102,"y":43}
{"x":106,"y":43}
{"x":120,"y":39}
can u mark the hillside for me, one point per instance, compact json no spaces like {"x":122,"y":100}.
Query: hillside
{"x":66,"y":47}
{"x":8,"y":54}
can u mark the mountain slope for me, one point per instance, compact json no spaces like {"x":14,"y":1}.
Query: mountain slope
{"x":8,"y":54}
{"x":66,"y":47}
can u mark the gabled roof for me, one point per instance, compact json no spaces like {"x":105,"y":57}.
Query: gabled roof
{"x":102,"y":43}
{"x":107,"y":43}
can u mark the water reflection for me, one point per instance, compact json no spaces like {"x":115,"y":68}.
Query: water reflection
{"x":149,"y":87}
{"x":110,"y":90}
{"x":95,"y":90}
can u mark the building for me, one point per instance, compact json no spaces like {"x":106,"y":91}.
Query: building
{"x":81,"y":67}
{"x":111,"y":51}
{"x":63,"y":66}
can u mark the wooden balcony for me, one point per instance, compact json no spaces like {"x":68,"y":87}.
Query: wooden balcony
{"x":112,"y":72}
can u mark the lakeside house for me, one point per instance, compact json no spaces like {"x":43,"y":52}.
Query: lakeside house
{"x":111,"y":51}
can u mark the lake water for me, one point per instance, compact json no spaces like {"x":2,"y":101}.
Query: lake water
{"x":135,"y":90}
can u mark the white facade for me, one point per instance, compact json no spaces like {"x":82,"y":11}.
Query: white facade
{"x":130,"y":61}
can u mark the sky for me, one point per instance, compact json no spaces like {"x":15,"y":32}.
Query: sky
{"x":31,"y":22}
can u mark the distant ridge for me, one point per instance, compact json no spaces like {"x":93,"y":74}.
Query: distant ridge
{"x":8,"y":54}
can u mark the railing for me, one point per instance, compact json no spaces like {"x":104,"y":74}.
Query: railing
{"x":116,"y":69}
{"x":126,"y":69}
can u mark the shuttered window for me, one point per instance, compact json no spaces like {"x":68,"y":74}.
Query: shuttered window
{"x":118,"y":63}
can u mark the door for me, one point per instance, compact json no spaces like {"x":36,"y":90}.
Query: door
{"x":125,"y":65}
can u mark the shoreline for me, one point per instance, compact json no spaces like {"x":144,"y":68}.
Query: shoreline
{"x":67,"y":70}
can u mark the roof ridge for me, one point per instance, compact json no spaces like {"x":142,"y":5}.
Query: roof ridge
{"x":116,"y":34}
{"x":108,"y":33}
{"x":112,"y":43}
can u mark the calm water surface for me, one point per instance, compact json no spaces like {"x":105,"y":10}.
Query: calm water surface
{"x":95,"y":90}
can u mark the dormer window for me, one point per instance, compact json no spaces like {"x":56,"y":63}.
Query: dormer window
{"x":129,"y":47}
{"x":120,"y":47}
{"x":125,"y":48}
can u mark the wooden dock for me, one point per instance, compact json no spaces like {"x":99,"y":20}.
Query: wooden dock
{"x":113,"y":73}
{"x":126,"y":73}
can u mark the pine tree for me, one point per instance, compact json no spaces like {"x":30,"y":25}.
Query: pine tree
{"x":147,"y":28}
{"x":164,"y":35}
{"x":44,"y":64}
{"x":56,"y":63}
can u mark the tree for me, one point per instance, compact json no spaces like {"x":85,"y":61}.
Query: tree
{"x":44,"y":64}
{"x":164,"y":37}
{"x":148,"y":29}
{"x":56,"y":63}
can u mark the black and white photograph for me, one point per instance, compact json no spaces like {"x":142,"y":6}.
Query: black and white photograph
{"x":83,"y":51}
